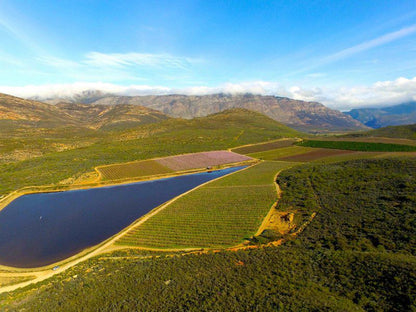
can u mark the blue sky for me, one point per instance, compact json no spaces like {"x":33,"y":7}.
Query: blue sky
{"x":312,"y":50}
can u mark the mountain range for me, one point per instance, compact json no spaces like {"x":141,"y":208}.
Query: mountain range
{"x":21,"y":112}
{"x":402,"y":114}
{"x":300,"y":115}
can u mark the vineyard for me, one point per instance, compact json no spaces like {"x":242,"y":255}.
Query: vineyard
{"x":169,"y":164}
{"x":278,"y":153}
{"x":359,"y":146}
{"x":317,"y":154}
{"x":201,"y":160}
{"x":131,"y":170}
{"x":264,"y":146}
{"x":220,"y":214}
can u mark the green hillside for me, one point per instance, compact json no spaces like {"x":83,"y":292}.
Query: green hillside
{"x":401,"y":132}
{"x":97,"y":147}
{"x":358,"y":254}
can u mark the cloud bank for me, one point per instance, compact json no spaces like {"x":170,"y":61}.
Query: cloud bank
{"x":379,"y":94}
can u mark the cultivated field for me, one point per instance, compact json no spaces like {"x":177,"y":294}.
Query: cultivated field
{"x":131,"y":170}
{"x":169,"y":164}
{"x":264,"y":146}
{"x":358,"y":146}
{"x":278,"y":153}
{"x":316,"y":154}
{"x":219,"y":214}
{"x":201,"y":160}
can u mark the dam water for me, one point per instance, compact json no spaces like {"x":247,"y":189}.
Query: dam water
{"x":40,"y":229}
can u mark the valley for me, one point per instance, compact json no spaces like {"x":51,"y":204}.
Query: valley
{"x":269,"y":208}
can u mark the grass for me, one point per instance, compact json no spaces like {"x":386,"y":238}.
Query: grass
{"x":352,"y":156}
{"x":278,"y":153}
{"x":358,"y":146}
{"x":363,"y":205}
{"x":219,"y":214}
{"x":261,"y":147}
{"x":5,"y":281}
{"x":169,"y":137}
{"x":316,"y":154}
{"x":131,"y":170}
{"x":404,"y":132}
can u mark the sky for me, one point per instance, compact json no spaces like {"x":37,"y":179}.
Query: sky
{"x":344,"y":54}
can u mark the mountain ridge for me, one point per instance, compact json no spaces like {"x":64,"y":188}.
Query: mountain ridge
{"x":297,"y":114}
{"x":394,"y":115}
{"x":94,"y":116}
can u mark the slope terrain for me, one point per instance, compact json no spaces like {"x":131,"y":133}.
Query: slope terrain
{"x":301,"y":115}
{"x":111,"y":116}
{"x":357,"y":254}
{"x":402,"y":114}
{"x":36,"y":160}
{"x":400,"y":132}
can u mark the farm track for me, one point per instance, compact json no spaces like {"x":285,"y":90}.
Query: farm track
{"x":104,"y":247}
{"x":108,"y":246}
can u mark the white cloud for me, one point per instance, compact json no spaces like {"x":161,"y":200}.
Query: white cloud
{"x":356,"y":49}
{"x":93,"y":60}
{"x":141,"y":59}
{"x":379,"y":94}
{"x":371,"y":44}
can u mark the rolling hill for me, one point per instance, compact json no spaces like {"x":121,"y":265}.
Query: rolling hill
{"x":400,"y":132}
{"x":47,"y":156}
{"x":32,"y":112}
{"x":402,"y":114}
{"x":21,"y":112}
{"x":300,"y":115}
{"x":111,"y":116}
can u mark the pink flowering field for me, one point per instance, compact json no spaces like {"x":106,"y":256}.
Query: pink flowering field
{"x":201,"y":160}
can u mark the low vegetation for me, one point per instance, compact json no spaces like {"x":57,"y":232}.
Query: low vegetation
{"x":201,"y":160}
{"x":132,"y":170}
{"x":358,"y":146}
{"x":278,"y":153}
{"x":317,"y":154}
{"x":170,"y":137}
{"x":403,"y":132}
{"x":220,"y":214}
{"x":261,"y":147}
{"x":170,"y":164}
{"x":6,"y":280}
{"x":357,"y":254}
{"x":362,"y":205}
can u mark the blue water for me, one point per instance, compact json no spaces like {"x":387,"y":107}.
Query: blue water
{"x":40,"y":229}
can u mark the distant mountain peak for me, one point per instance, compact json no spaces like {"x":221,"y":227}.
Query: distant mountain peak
{"x":301,"y":115}
{"x":401,"y":114}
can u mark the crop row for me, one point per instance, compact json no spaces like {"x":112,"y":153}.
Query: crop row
{"x":201,"y":160}
{"x":131,"y":170}
{"x":169,"y":164}
{"x":359,"y":146}
{"x":217,"y":214}
{"x":264,"y":146}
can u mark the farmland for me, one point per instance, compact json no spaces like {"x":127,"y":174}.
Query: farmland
{"x":219,"y":214}
{"x":131,"y":170}
{"x":316,"y":154}
{"x":261,"y":147}
{"x":201,"y":160}
{"x":278,"y":153}
{"x":166,"y":138}
{"x":358,"y":146}
{"x":357,"y":254}
{"x":169,"y":164}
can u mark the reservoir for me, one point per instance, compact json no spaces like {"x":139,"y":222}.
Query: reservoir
{"x":40,"y":229}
